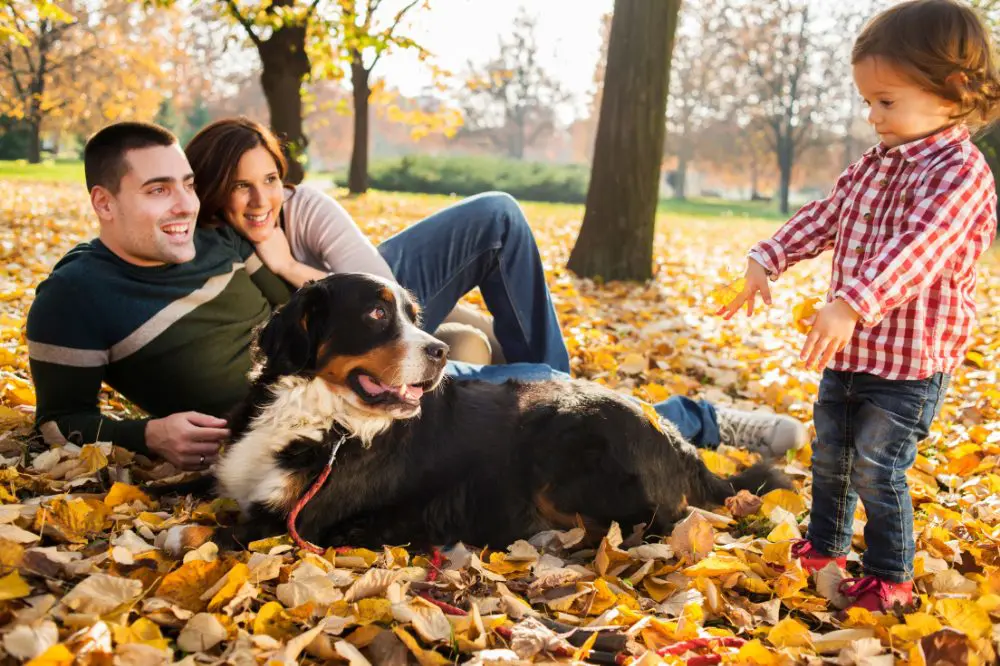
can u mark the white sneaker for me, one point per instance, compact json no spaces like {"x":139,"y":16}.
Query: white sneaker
{"x":763,"y":432}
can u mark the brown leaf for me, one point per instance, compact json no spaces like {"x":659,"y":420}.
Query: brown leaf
{"x":743,"y":503}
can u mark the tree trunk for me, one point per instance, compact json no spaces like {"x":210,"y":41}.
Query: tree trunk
{"x":284,"y":66}
{"x":616,"y":239}
{"x":680,"y":177}
{"x":35,"y":141}
{"x":786,"y":157}
{"x":357,"y":178}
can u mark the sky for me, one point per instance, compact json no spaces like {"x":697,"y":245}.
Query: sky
{"x":458,"y":31}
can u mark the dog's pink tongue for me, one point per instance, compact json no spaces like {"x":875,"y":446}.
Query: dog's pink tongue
{"x":411,"y":392}
{"x":371,"y":386}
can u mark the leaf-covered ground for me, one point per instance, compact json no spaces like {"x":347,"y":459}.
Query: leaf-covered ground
{"x":92,"y":570}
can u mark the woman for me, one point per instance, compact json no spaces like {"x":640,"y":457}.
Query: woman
{"x":302,"y":234}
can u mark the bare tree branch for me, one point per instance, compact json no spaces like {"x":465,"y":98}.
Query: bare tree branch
{"x":388,"y":33}
{"x":234,"y":11}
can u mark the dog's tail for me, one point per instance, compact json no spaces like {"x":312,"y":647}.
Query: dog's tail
{"x":713,"y":490}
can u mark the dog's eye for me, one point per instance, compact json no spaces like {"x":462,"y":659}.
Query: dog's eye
{"x":378,"y":313}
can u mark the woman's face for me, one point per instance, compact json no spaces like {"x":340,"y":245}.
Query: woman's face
{"x":256,"y":196}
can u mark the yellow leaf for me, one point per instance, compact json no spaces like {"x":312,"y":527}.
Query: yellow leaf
{"x":12,"y":586}
{"x":803,"y":314}
{"x":791,"y":581}
{"x":185,"y":585}
{"x":753,"y":653}
{"x":717,"y":564}
{"x":123,"y":493}
{"x":916,"y":627}
{"x":965,"y":616}
{"x":789,"y":633}
{"x":238,"y":575}
{"x":57,"y":655}
{"x":975,"y":358}
{"x":373,"y":609}
{"x":424,"y":657}
{"x":778,"y":553}
{"x":859,"y":617}
{"x":726,"y":294}
{"x":786,"y":499}
{"x":11,"y":554}
{"x":265,"y":545}
{"x":273,"y":621}
{"x":142,"y":631}
{"x":94,"y":459}
{"x":72,"y":521}
{"x":718,"y":463}
{"x":783,"y":532}
{"x":652,"y":415}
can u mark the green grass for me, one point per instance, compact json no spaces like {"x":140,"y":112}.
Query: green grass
{"x":71,"y":171}
{"x":725,"y":208}
{"x":67,"y":171}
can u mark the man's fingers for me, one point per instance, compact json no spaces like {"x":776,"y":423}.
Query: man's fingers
{"x":199,"y":449}
{"x":807,"y":348}
{"x":765,"y":292}
{"x":831,"y":351}
{"x":819,"y":352}
{"x":210,"y":435}
{"x":205,"y":420}
{"x":750,"y":303}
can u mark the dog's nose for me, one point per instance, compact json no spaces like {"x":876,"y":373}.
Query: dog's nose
{"x":436,"y":350}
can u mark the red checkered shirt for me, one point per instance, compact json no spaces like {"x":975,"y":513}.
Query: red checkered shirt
{"x":906,"y":225}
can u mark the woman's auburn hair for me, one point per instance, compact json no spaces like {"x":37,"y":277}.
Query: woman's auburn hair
{"x":215,"y":152}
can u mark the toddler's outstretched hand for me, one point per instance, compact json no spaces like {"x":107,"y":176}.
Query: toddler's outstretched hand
{"x":832,"y":331}
{"x":756,"y":281}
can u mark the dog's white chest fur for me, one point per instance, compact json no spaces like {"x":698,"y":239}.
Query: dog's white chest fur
{"x":302,"y":409}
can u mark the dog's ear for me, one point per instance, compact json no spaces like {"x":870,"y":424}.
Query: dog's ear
{"x":287,"y":343}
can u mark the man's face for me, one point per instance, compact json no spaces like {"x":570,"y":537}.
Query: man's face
{"x":151,"y":219}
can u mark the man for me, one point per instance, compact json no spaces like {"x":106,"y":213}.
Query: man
{"x":164,"y":313}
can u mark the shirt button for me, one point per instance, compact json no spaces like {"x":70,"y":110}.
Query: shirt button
{"x":859,"y":249}
{"x":867,"y":216}
{"x":882,"y":183}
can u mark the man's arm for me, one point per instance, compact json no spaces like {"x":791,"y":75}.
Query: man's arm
{"x":68,"y":358}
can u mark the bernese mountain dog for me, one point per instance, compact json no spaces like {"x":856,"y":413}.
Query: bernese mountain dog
{"x":428,"y":460}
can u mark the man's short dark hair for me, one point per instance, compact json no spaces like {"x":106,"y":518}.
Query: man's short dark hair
{"x":104,"y":160}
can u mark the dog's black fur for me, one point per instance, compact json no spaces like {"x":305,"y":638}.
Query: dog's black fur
{"x":482,"y":463}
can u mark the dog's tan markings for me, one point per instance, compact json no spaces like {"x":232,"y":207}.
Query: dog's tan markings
{"x":388,"y":295}
{"x":380,"y":363}
{"x":548,"y":511}
{"x":295,"y":488}
{"x":413,"y":311}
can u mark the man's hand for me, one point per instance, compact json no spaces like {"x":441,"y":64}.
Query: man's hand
{"x":832,"y":331}
{"x":276,"y":253}
{"x":756,"y":281}
{"x":188,"y":440}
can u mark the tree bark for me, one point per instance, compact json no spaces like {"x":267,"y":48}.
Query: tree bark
{"x":285,"y":66}
{"x":786,"y":159}
{"x":616,"y":239}
{"x":357,"y":178}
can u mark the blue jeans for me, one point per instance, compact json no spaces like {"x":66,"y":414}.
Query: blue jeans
{"x":867,"y":430}
{"x":484,"y":242}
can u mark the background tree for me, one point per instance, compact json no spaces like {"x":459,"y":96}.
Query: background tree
{"x":511,"y":100}
{"x":700,"y":75}
{"x":616,"y":239}
{"x":367,"y":35}
{"x":74,"y":66}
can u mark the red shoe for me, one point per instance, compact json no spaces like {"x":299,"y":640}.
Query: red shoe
{"x":811,"y":559}
{"x":875,"y":594}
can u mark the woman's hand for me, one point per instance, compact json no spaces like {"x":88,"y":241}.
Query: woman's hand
{"x":832,"y":331}
{"x":756,"y":282}
{"x":276,"y":253}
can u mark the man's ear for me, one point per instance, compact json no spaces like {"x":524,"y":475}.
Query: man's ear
{"x":286,"y":345}
{"x":103,"y":202}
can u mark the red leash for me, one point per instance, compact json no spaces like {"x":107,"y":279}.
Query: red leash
{"x":315,"y":488}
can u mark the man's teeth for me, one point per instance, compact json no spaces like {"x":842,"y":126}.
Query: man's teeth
{"x":175,"y":228}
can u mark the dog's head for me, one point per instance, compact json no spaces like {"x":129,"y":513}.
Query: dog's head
{"x":360,"y":334}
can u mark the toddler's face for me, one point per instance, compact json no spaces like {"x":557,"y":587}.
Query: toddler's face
{"x":899,"y":109}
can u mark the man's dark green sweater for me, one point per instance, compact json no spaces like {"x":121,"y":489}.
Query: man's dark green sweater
{"x":171,"y":338}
